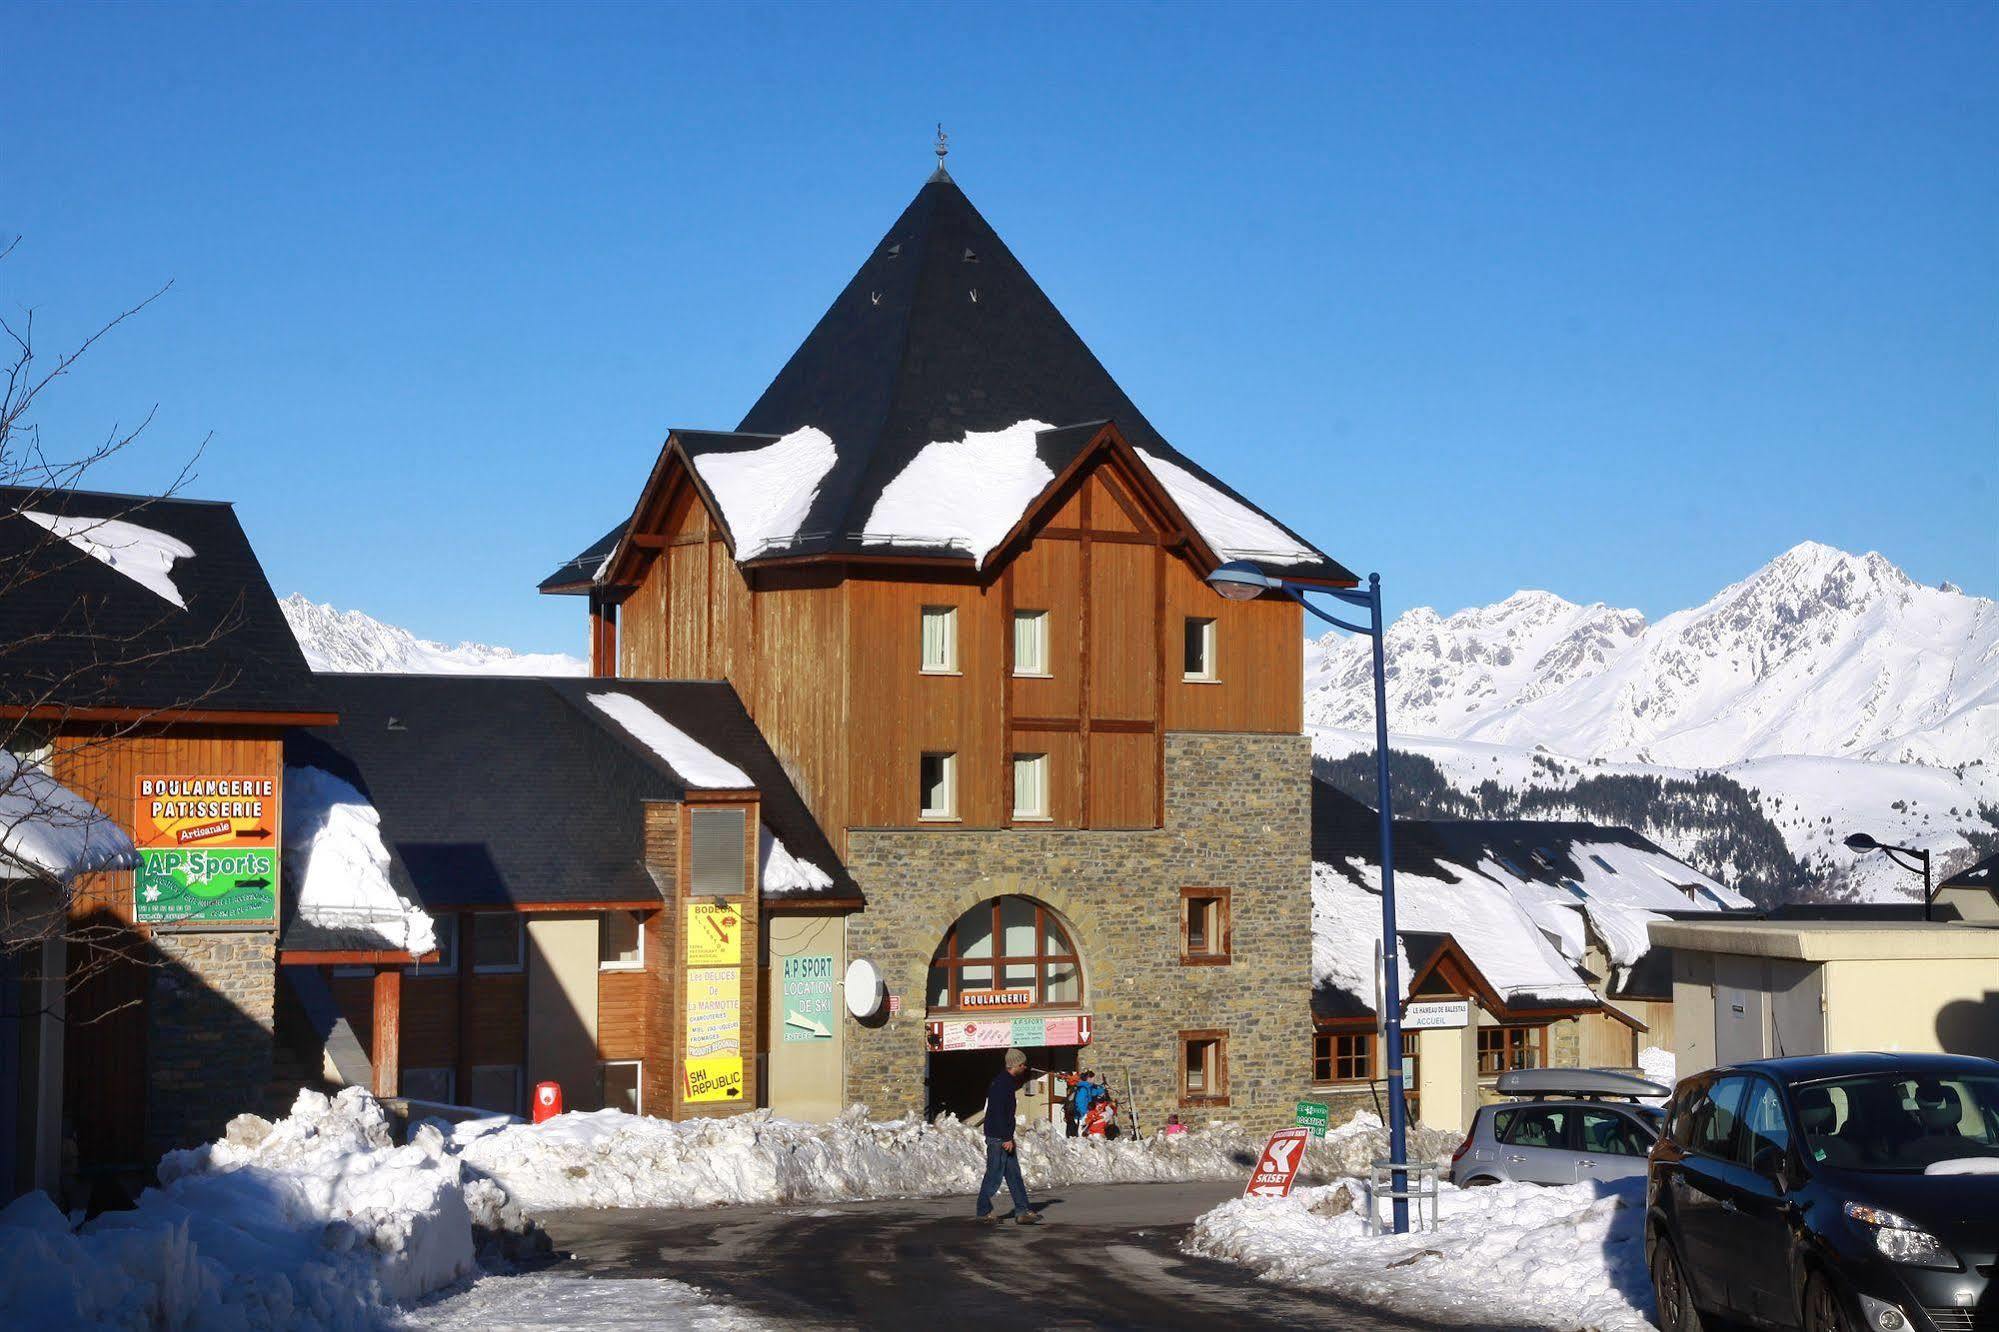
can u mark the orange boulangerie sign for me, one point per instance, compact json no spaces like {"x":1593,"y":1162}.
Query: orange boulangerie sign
{"x":216,"y":812}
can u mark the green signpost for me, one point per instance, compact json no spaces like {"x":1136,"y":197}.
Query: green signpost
{"x":1315,"y":1116}
{"x":176,"y":886}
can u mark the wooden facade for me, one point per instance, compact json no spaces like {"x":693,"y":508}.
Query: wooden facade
{"x":826,"y":655}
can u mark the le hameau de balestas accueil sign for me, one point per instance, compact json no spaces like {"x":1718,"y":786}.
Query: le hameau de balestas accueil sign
{"x":207,"y":850}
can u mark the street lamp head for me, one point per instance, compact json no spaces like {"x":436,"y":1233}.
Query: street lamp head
{"x":1862,"y":842}
{"x":1240,"y":580}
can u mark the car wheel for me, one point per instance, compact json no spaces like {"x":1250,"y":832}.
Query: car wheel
{"x":1669,"y":1291}
{"x":1822,"y":1311}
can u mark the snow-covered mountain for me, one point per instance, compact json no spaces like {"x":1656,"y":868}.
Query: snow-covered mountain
{"x":1819,"y":652}
{"x":1841,"y":693}
{"x":336,"y":640}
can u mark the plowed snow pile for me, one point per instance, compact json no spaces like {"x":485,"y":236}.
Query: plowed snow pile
{"x":607,"y":1158}
{"x":1504,"y":1255}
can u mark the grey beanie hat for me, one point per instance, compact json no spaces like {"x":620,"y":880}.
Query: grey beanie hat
{"x":1016,"y":1059}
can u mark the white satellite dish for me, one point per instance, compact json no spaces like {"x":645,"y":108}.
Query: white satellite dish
{"x":864,"y":988}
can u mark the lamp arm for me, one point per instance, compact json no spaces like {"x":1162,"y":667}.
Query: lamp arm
{"x":1895,"y":853}
{"x":1291,"y":590}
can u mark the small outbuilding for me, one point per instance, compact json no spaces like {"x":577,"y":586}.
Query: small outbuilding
{"x":1753,"y":989}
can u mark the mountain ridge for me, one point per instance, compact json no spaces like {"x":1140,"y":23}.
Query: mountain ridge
{"x":353,"y":641}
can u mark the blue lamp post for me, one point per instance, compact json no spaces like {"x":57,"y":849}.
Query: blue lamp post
{"x":1241,"y":580}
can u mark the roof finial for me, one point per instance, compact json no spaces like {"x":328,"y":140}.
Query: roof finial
{"x":941,"y":148}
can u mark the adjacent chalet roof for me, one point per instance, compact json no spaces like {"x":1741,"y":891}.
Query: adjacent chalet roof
{"x":497,"y":790}
{"x":48,"y":831}
{"x":932,"y":405}
{"x":1521,"y":899}
{"x":1985,"y":875}
{"x":131,"y":604}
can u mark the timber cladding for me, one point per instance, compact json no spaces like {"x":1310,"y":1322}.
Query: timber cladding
{"x":1237,"y":816}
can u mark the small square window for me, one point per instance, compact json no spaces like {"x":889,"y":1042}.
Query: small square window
{"x":939,"y":781}
{"x":427,"y":1084}
{"x":1030,"y":786}
{"x":1198,"y":657}
{"x":940,"y":640}
{"x":1204,"y":1067}
{"x":1030,"y":642}
{"x":496,"y":941}
{"x":618,"y":1086}
{"x":1204,"y":925}
{"x":446,"y":929}
{"x":621,"y":941}
{"x":717,"y":854}
{"x":496,"y":1087}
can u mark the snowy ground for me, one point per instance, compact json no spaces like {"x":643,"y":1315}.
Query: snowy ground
{"x":1504,"y":1254}
{"x":546,"y":1300}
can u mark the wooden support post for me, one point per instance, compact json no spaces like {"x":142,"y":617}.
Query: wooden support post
{"x":387,"y":1046}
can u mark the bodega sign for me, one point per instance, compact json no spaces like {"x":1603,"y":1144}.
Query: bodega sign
{"x":207,"y":848}
{"x":1278,"y":1165}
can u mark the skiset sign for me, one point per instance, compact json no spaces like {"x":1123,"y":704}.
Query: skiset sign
{"x":207,"y":848}
{"x":1278,"y":1165}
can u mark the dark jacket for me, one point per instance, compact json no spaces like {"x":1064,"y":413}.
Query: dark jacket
{"x":1000,"y":1107}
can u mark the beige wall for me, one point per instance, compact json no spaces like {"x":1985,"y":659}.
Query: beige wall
{"x":1973,"y":904}
{"x":562,"y":1006}
{"x":805,"y":1079}
{"x":1916,"y":1004}
{"x":1693,"y":1010}
{"x":1447,"y":1077}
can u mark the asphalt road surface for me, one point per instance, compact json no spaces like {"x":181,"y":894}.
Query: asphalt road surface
{"x":1105,"y":1256}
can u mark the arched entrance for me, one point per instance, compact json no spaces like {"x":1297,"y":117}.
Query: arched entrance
{"x":1007,"y":973}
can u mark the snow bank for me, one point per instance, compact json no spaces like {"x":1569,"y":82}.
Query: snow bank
{"x":46,"y":827}
{"x":140,"y":553}
{"x":316,"y":1222}
{"x":1232,"y":529}
{"x":561,"y":1300}
{"x":766,"y":493}
{"x":607,"y":1158}
{"x":783,"y":873}
{"x":697,"y":765}
{"x":967,"y":492}
{"x":1505,"y":1254}
{"x":335,"y":855}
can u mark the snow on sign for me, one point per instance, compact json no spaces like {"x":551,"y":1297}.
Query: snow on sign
{"x":1278,"y":1165}
{"x":1436,"y":1014}
{"x":808,"y":998}
{"x":207,"y":850}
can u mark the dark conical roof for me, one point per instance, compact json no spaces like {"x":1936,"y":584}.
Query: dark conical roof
{"x":942,"y":331}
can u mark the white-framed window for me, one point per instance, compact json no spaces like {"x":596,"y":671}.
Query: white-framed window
{"x":446,"y":928}
{"x":496,"y":1087}
{"x":437,"y":1085}
{"x":1198,"y":652}
{"x":496,"y":941}
{"x":938,"y":780}
{"x":1030,"y":786}
{"x":620,"y":1085}
{"x":621,"y":941}
{"x":1030,"y":642}
{"x":940,"y":640}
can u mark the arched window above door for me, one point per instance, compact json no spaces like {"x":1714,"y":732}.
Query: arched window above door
{"x":1006,"y":953}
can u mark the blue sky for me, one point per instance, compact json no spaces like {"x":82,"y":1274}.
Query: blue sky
{"x":1615,"y":300}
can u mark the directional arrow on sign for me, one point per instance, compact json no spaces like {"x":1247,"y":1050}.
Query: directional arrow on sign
{"x":804,"y":1023}
{"x":253,"y":883}
{"x":255,"y":832}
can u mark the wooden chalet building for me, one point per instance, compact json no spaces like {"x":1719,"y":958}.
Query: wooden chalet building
{"x":956,"y":578}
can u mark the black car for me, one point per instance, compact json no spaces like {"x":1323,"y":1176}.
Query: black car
{"x":1837,"y":1193}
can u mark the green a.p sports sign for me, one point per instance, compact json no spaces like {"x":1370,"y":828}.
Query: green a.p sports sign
{"x":206,"y":886}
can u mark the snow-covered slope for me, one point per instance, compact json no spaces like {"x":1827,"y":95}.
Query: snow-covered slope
{"x":351,"y":641}
{"x":1819,"y":652}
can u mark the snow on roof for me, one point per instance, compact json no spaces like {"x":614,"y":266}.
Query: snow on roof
{"x":1233,"y":529}
{"x":335,"y":855}
{"x":966,"y":493}
{"x":765,"y":493}
{"x":1487,"y":922}
{"x":1346,"y":925}
{"x":140,"y":553}
{"x":695,"y":763}
{"x":782,"y":873}
{"x":46,"y":828}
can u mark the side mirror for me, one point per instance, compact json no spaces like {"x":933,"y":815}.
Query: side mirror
{"x":1774,"y":1164}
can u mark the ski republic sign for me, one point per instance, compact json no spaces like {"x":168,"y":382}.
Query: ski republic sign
{"x":207,"y":850}
{"x":1278,"y":1165}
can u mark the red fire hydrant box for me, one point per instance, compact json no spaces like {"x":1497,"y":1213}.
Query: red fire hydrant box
{"x":547,"y":1100}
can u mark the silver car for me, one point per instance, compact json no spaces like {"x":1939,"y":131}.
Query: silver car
{"x":1573,"y":1125}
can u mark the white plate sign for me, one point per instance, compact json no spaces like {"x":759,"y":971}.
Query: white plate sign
{"x":1436,"y":1014}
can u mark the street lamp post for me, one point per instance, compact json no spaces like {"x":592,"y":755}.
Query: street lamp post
{"x":1241,"y":580}
{"x":1862,"y":842}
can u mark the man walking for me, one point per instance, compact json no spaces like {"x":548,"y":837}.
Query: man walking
{"x":1002,"y":1161}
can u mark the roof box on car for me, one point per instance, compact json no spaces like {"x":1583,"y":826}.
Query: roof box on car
{"x":1582,"y":1082}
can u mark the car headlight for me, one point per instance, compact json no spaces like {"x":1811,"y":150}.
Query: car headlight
{"x":1899,"y":1239}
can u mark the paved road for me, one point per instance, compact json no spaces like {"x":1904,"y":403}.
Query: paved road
{"x":1106,"y":1256}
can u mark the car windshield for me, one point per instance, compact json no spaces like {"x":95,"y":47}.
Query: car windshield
{"x":1902,"y":1122}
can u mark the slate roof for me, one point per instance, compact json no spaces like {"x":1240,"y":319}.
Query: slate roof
{"x":1985,"y":874}
{"x":77,"y":633}
{"x":941,"y":331}
{"x":507,"y":790}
